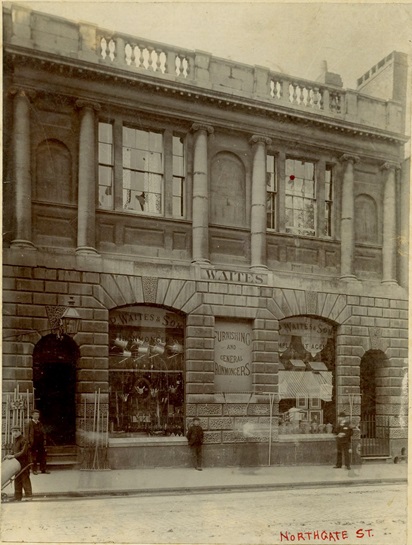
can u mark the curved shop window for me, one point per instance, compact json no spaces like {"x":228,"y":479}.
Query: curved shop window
{"x":306,"y":375}
{"x":146,"y":372}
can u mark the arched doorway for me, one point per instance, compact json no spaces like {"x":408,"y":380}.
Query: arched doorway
{"x":374,"y":423}
{"x":54,"y":382}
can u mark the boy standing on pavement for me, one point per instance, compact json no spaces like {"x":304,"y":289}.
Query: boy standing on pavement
{"x":343,"y":440}
{"x":195,"y":440}
{"x":37,"y":442}
{"x":21,"y":453}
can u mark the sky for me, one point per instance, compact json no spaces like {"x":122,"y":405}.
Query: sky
{"x":293,"y":38}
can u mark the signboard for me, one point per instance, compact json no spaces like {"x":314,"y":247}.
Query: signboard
{"x":313,"y":331}
{"x":233,"y":356}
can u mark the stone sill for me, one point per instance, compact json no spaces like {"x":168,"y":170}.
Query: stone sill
{"x":148,"y":441}
{"x":297,"y":437}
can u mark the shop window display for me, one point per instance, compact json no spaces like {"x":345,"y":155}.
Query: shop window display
{"x":306,"y":376}
{"x":146,"y":372}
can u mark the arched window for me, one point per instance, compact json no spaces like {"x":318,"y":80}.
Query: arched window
{"x":53,"y":172}
{"x":306,"y":375}
{"x":366,"y":219}
{"x":228,"y":191}
{"x":146,"y":371}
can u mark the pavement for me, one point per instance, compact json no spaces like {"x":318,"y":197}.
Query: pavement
{"x":63,"y":483}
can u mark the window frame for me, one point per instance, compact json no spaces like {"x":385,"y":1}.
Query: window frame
{"x":168,"y":132}
{"x":321,"y":164}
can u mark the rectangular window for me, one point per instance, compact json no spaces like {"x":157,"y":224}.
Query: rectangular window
{"x":142,"y":171}
{"x":179,"y":171}
{"x":300,"y":197}
{"x":271,"y":192}
{"x":106,"y":166}
{"x":328,"y":201}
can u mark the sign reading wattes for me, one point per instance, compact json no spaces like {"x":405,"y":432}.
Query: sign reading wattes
{"x":233,"y":356}
{"x":313,"y":332}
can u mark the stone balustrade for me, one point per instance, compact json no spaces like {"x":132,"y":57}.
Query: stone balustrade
{"x":86,"y":42}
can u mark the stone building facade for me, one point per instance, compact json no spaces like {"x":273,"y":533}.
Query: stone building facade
{"x":234,"y":240}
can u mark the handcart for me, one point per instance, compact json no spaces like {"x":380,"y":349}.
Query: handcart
{"x":10,"y":470}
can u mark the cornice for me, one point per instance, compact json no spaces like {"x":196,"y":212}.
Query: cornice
{"x":171,"y":87}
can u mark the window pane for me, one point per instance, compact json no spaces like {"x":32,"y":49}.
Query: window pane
{"x":156,"y":141}
{"x":105,"y":153}
{"x":105,"y":198}
{"x":178,"y":146}
{"x":178,"y":166}
{"x":106,"y":133}
{"x":142,"y":140}
{"x":129,"y":137}
{"x":105,"y":175}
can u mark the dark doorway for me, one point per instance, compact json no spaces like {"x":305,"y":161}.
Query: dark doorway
{"x":54,"y":382}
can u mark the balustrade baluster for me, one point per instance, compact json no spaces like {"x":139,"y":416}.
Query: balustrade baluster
{"x":272,"y":89}
{"x":315,"y":97}
{"x":112,"y":49}
{"x":171,"y":63}
{"x":325,"y":102}
{"x":150,"y":59}
{"x":190,"y":67}
{"x":135,"y":56}
{"x":141,"y":56}
{"x":178,"y":64}
{"x":128,"y":54}
{"x":103,"y":47}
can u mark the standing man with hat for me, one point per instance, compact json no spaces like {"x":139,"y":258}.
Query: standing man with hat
{"x":21,"y":453}
{"x":37,"y":442}
{"x":343,"y":440}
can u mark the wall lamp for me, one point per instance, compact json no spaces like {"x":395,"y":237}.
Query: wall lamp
{"x":64,"y":320}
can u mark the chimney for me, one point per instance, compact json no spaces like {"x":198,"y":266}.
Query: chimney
{"x":328,"y":78}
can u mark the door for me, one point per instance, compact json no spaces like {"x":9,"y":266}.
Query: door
{"x":54,"y":382}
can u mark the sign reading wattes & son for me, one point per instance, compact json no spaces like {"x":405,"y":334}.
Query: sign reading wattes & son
{"x":233,"y":356}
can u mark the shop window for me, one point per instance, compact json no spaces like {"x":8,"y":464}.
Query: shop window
{"x":133,"y":174}
{"x":306,"y":375}
{"x":146,"y":373}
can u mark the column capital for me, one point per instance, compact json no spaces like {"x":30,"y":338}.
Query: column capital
{"x":259,"y":139}
{"x":348,"y":158}
{"x":202,"y":127}
{"x":29,"y":94}
{"x":80,"y":103}
{"x":389,"y":165}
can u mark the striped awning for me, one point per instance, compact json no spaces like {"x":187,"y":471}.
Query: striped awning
{"x":305,"y":383}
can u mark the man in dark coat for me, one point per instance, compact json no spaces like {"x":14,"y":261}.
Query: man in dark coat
{"x":343,"y":441}
{"x":195,"y":440}
{"x":21,"y":453}
{"x":37,"y":442}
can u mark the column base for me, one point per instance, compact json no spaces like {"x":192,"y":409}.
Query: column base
{"x":258,"y":268}
{"x":200,"y":262}
{"x":19,"y":244}
{"x":390,"y":282}
{"x":86,"y":250}
{"x":349,"y":278}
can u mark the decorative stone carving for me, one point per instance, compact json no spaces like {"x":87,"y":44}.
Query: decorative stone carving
{"x":312,"y":302}
{"x":202,"y":127}
{"x":149,"y":284}
{"x":258,"y":139}
{"x":375,"y":336}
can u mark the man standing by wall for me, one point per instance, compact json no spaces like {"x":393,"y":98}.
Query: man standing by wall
{"x":37,"y":442}
{"x":343,"y":440}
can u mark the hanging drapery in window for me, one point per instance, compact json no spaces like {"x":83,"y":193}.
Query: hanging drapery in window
{"x":313,"y":385}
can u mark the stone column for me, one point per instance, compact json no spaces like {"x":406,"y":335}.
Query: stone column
{"x":22,"y":170}
{"x":258,"y":208}
{"x":347,"y":219}
{"x":200,"y":200}
{"x":389,"y":242}
{"x":86,"y":208}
